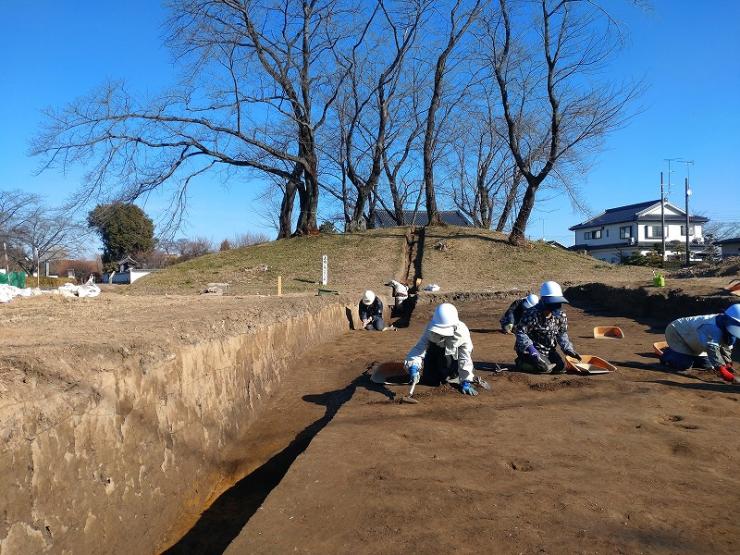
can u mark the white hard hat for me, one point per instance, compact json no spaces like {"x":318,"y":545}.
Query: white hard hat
{"x":733,"y":313}
{"x":531,"y":300}
{"x":368,"y":297}
{"x":445,"y":319}
{"x":551,"y":292}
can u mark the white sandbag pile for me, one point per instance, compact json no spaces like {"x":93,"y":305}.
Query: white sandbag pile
{"x":87,"y":290}
{"x":9,"y":292}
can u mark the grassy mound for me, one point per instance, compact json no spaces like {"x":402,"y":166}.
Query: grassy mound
{"x":460,"y":259}
{"x":357,"y":261}
{"x":455,"y":258}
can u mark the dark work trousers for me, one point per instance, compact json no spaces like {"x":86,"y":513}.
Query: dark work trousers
{"x":377,"y":324}
{"x":529,"y":363}
{"x":437,"y":366}
{"x":681,"y":361}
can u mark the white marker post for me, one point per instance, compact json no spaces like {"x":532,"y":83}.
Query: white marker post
{"x":324,"y":270}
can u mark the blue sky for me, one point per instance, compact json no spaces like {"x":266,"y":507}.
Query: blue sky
{"x":686,"y":51}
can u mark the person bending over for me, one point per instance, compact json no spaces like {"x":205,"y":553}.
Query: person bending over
{"x":539,"y":332}
{"x":704,"y":342}
{"x":371,"y":312}
{"x":443,"y":352}
{"x":515,"y":311}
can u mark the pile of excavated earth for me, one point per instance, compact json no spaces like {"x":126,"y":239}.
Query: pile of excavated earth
{"x":155,"y":418}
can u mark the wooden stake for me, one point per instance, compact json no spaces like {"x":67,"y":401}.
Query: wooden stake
{"x":280,"y":286}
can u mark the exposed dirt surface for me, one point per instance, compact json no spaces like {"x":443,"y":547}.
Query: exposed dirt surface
{"x":638,"y":461}
{"x":131,"y":410}
{"x":729,"y":267}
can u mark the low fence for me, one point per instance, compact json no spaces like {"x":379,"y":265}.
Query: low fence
{"x":16,"y":279}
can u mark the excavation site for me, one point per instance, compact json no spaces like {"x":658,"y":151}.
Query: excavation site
{"x":143,"y":422}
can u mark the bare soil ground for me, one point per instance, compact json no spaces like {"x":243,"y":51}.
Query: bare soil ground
{"x":53,"y":346}
{"x":639,"y":461}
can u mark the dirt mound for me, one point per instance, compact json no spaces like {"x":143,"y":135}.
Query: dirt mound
{"x":729,"y":267}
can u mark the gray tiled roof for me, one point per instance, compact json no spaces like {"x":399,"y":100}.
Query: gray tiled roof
{"x":629,"y":213}
{"x":726,"y":241}
{"x":384,"y":218}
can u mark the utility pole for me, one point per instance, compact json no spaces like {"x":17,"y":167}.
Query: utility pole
{"x":5,"y":249}
{"x":688,"y":219}
{"x":662,"y":212}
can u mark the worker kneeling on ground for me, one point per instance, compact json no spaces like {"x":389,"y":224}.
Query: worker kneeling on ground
{"x":515,"y":311}
{"x":540,"y":330}
{"x":703,"y":342}
{"x":371,"y":312}
{"x":444,"y":352}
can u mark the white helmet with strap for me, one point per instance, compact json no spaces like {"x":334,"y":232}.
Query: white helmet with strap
{"x":368,"y":298}
{"x":444,"y":320}
{"x":531,"y":300}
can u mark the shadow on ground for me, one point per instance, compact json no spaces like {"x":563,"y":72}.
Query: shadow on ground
{"x":225,"y":518}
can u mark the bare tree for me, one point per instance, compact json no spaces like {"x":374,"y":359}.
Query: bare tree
{"x":373,"y":80}
{"x":554,"y":111}
{"x":260,"y":78}
{"x":480,"y":163}
{"x":45,"y":234}
{"x":460,"y":21}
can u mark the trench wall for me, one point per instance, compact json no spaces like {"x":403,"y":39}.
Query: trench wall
{"x":111,"y":468}
{"x":660,"y":305}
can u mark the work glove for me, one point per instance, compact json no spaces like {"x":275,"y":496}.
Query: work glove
{"x":467,"y":389}
{"x":414,"y":374}
{"x":508,"y":328}
{"x":574,"y":355}
{"x":725,"y":373}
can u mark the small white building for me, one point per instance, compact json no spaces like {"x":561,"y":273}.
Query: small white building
{"x":127,"y":272}
{"x":623,"y":231}
{"x":730,"y":247}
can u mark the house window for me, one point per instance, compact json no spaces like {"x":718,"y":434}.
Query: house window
{"x":595,"y":234}
{"x":683,"y":230}
{"x":625,"y":232}
{"x":653,"y":232}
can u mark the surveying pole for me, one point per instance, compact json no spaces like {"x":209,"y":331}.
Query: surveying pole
{"x":662,"y":212}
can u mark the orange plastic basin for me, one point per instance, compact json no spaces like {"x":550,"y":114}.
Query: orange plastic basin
{"x":608,"y":332}
{"x":659,"y":347}
{"x":589,"y":364}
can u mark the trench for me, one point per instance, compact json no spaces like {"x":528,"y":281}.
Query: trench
{"x":228,"y":516}
{"x":225,"y":448}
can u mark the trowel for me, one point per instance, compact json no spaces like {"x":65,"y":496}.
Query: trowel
{"x":410,"y":397}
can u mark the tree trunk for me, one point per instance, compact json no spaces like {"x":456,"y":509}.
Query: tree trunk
{"x":286,"y":206}
{"x":510,"y":198}
{"x":520,"y":225}
{"x":309,"y":193}
{"x":358,"y":223}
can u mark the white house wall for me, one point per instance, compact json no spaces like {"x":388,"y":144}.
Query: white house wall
{"x":669,"y":211}
{"x":610,"y":233}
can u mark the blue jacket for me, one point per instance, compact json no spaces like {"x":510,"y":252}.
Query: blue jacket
{"x":370,"y":311}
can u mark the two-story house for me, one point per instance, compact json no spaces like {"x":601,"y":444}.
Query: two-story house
{"x":622,"y":231}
